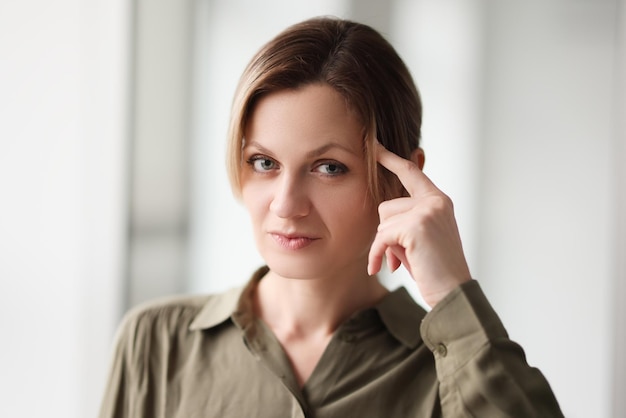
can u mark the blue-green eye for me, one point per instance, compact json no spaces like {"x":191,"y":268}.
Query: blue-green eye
{"x":261,"y":164}
{"x":332,"y":168}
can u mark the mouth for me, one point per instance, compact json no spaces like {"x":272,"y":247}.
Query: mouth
{"x":292,"y":241}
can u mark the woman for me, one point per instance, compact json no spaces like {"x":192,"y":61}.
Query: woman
{"x":324,"y":154}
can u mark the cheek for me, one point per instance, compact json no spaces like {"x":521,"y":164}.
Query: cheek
{"x":253,"y":200}
{"x":353,"y":211}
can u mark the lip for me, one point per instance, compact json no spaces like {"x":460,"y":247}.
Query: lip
{"x":292,"y":241}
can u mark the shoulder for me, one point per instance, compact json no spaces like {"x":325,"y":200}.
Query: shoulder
{"x":169,"y":311}
{"x":152,"y":329}
{"x":170,"y":316}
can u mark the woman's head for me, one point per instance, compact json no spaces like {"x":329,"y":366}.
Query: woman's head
{"x":357,"y":62}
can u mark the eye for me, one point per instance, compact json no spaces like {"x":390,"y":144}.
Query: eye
{"x":261,"y":163}
{"x":331,"y":168}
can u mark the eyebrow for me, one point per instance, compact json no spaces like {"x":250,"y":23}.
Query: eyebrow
{"x":311,"y":154}
{"x":324,"y":148}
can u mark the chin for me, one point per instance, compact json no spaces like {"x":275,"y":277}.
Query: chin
{"x":302,"y":268}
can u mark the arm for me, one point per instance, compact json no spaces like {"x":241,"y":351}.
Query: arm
{"x":481,"y":372}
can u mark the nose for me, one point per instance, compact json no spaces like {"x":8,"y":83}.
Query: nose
{"x":290,"y":199}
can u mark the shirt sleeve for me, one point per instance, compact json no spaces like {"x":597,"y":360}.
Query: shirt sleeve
{"x":481,"y":372}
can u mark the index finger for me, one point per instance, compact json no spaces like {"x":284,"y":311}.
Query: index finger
{"x":410,"y":175}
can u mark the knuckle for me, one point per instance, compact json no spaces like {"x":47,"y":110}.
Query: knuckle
{"x":383,"y":209}
{"x":435,"y":207}
{"x":444,"y":202}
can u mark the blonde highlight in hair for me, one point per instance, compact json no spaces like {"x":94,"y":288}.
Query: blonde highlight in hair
{"x":357,"y":62}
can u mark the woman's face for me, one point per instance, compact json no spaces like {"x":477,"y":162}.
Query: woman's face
{"x":304,"y":183}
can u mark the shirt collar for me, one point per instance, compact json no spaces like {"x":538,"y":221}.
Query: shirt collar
{"x":402,"y":317}
{"x":398,"y":311}
{"x":219,"y":308}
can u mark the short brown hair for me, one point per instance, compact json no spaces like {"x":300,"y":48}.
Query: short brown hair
{"x":357,"y":62}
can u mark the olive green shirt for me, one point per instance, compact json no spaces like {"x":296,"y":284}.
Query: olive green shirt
{"x":209,"y":356}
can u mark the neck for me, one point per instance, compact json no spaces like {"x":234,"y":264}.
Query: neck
{"x":303,"y":308}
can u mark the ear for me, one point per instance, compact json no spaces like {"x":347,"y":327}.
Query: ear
{"x":418,"y":157}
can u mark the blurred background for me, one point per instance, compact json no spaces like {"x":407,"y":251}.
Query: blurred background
{"x":113,"y":191}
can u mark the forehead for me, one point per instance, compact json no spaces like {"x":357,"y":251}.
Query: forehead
{"x":307,"y":116}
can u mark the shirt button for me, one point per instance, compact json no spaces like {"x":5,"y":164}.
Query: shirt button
{"x":441,"y":349}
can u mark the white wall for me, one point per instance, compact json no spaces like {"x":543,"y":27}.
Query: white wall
{"x":159,"y":161}
{"x":619,"y":233}
{"x":547,"y":189}
{"x":62,"y":124}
